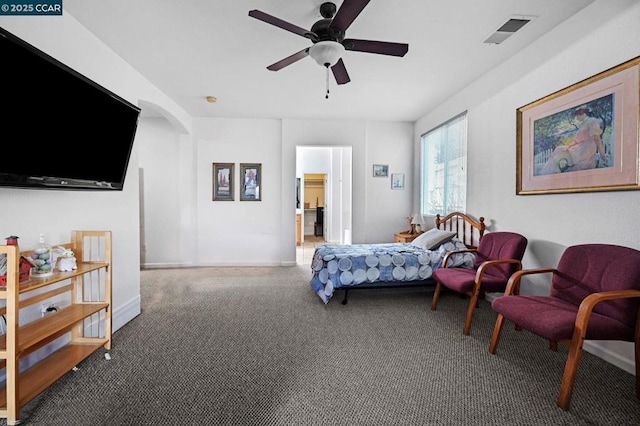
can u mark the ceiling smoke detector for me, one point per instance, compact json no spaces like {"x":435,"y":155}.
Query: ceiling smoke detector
{"x":507,"y":29}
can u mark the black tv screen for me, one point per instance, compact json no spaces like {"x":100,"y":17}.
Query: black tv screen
{"x":64,"y":130}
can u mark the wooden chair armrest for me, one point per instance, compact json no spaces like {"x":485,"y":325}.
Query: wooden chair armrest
{"x":589,"y":302}
{"x":489,"y":263}
{"x":451,"y":253}
{"x":513,"y":285}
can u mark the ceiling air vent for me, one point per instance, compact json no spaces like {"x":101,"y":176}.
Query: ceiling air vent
{"x":513,"y":24}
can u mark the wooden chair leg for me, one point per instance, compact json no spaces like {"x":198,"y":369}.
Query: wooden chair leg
{"x":497,"y":330}
{"x":637,"y":347}
{"x":553,"y":345}
{"x":569,"y":376}
{"x":436,"y":295}
{"x":637,"y":369}
{"x":473,"y":303}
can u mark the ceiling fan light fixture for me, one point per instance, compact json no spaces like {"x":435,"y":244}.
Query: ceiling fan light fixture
{"x":326,"y":53}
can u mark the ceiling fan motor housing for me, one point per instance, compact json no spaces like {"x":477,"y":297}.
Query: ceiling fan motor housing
{"x":325,"y":32}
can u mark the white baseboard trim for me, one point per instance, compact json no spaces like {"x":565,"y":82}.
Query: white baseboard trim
{"x":165,"y":265}
{"x":126,"y":313}
{"x":225,"y":264}
{"x":614,"y":358}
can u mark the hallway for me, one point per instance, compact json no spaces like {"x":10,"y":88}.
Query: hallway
{"x":304,"y":253}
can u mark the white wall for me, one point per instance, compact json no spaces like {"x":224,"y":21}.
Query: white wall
{"x":239,"y":232}
{"x":159,"y":155}
{"x":57,"y":213}
{"x":341,"y":219}
{"x":600,"y":37}
{"x":263,"y":233}
{"x":388,"y":144}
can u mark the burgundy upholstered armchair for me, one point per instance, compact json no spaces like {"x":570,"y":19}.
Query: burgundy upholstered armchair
{"x":594,"y":295}
{"x":499,"y":254}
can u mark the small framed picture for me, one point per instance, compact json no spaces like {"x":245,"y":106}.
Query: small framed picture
{"x":380,"y":170}
{"x":397,"y":181}
{"x":251,"y":176}
{"x":223,"y":181}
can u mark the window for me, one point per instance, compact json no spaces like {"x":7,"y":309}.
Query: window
{"x":443,"y":183}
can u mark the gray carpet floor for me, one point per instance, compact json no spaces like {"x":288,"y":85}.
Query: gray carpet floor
{"x":256,"y":346}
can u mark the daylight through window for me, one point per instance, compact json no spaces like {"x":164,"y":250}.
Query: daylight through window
{"x":444,"y":167}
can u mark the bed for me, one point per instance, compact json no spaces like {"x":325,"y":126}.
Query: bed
{"x":358,"y":266}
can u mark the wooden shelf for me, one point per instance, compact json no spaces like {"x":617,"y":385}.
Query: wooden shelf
{"x":46,"y":372}
{"x":36,"y":283}
{"x":89,"y":290}
{"x":50,"y":325}
{"x":83,"y":268}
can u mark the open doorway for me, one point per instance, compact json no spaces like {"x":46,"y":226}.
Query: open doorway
{"x":314,"y":202}
{"x":324,"y":198}
{"x":313,"y":216}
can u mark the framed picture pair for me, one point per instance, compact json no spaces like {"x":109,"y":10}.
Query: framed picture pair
{"x":382,"y":170}
{"x":224,"y":181}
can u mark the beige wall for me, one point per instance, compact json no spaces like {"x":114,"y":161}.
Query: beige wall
{"x":314,"y":190}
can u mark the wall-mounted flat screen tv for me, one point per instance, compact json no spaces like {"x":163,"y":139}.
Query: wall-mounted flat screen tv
{"x":63,"y":130}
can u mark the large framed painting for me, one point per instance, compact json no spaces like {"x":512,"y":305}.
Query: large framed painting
{"x":251,"y":175}
{"x":582,"y":138}
{"x":222,"y":181}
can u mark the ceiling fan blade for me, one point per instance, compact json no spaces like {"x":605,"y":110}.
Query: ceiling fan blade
{"x":340,"y":72}
{"x":379,"y":47}
{"x":269,"y":19}
{"x":348,"y":12}
{"x":289,"y":60}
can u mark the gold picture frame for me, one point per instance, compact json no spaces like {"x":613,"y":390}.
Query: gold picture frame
{"x":583,"y":138}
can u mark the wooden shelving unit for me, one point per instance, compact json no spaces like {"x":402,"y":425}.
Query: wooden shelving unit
{"x":85,"y":323}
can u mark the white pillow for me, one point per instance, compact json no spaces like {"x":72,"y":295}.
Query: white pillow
{"x":432,"y":238}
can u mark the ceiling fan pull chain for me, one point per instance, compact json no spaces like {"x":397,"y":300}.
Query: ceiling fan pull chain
{"x":327,"y":95}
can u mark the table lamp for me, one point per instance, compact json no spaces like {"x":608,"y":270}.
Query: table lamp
{"x":416,"y":221}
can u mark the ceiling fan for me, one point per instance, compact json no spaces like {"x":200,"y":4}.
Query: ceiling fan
{"x":328,"y":38}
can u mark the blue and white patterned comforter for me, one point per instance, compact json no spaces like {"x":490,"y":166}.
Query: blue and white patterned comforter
{"x":339,"y":266}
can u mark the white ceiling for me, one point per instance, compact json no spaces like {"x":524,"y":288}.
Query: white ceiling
{"x":194,"y":48}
